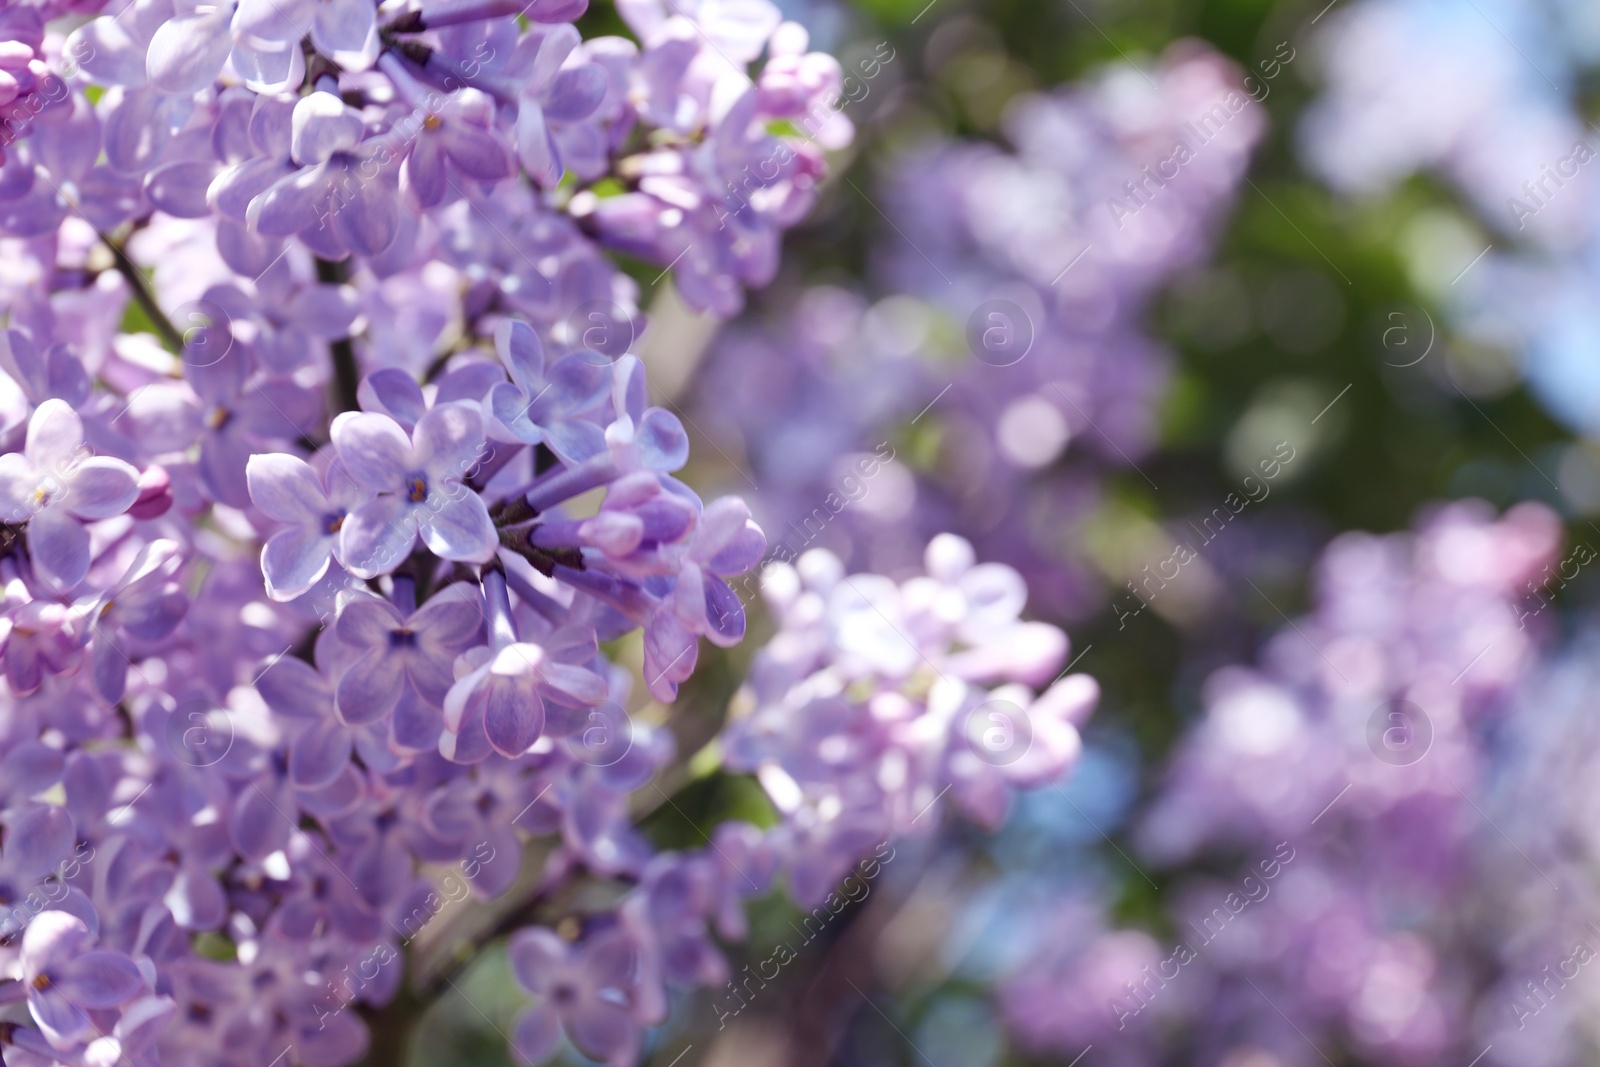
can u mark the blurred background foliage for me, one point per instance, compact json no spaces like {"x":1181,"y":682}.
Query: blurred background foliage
{"x":1309,"y":299}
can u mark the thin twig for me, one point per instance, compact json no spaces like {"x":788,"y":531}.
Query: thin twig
{"x":170,"y":335}
{"x":346,"y":374}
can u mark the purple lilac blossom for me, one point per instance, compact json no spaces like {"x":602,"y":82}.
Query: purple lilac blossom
{"x":1093,"y":171}
{"x":297,"y":395}
{"x":1349,"y":769}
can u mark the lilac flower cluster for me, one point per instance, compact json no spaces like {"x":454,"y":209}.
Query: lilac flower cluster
{"x":876,"y":699}
{"x":281,"y":793}
{"x":334,"y":536}
{"x":1343,"y":768}
{"x":398,"y":135}
{"x":1003,"y":328}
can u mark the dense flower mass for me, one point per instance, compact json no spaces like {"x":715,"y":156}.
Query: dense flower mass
{"x":338,"y":524}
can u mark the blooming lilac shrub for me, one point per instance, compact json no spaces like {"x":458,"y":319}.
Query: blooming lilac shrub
{"x":339,"y":528}
{"x":1323,"y":815}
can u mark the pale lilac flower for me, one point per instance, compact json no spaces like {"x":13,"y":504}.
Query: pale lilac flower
{"x":420,"y":482}
{"x":285,"y":488}
{"x":55,"y":486}
{"x":145,"y":605}
{"x":581,"y":990}
{"x":66,"y":978}
{"x":395,"y":650}
{"x":547,"y":406}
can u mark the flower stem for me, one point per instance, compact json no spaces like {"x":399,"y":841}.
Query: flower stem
{"x":170,"y":336}
{"x":346,"y":374}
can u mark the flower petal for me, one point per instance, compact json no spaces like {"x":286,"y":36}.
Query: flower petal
{"x":187,"y":53}
{"x":60,"y":548}
{"x":100,"y":979}
{"x":457,"y":526}
{"x":295,"y":559}
{"x":377,"y":537}
{"x":537,"y":958}
{"x":537,"y":1031}
{"x":101,"y":487}
{"x":513,"y":714}
{"x":55,"y":434}
{"x":285,"y":487}
{"x":373,"y":449}
{"x":294,"y":688}
{"x":318,"y":754}
{"x":371,"y":687}
{"x":37,"y":840}
{"x":449,"y":441}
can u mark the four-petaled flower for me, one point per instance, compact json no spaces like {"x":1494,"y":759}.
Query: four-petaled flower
{"x":420,"y":482}
{"x":287,"y":489}
{"x":55,"y":486}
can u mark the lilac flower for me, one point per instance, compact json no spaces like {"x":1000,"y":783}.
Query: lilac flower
{"x":498,"y":692}
{"x":235,"y":415}
{"x":536,"y":406}
{"x":420,"y":482}
{"x":339,"y":200}
{"x":255,"y":701}
{"x":395,"y":650}
{"x":145,"y":605}
{"x":345,"y":31}
{"x":65,"y":977}
{"x":54,"y":486}
{"x":551,"y":95}
{"x":580,"y":990}
{"x":37,"y":638}
{"x":285,"y":488}
{"x":642,"y":438}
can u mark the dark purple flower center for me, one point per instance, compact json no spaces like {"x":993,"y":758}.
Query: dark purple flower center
{"x":332,"y":522}
{"x":565,"y":994}
{"x":417,"y":487}
{"x":219,"y":417}
{"x":42,"y":982}
{"x":402,"y":638}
